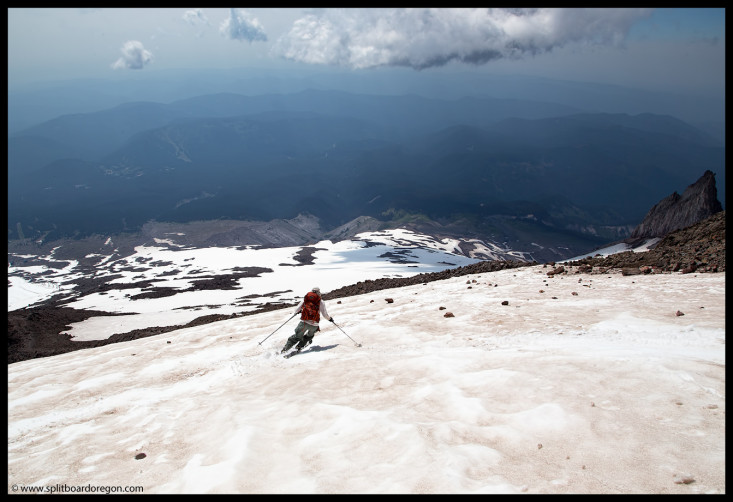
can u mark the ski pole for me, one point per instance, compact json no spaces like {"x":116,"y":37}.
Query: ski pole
{"x":344,"y":332}
{"x":283,"y":324}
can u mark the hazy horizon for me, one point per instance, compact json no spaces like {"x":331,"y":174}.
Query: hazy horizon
{"x":667,"y":62}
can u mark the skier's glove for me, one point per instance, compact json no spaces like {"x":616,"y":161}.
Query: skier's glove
{"x":331,"y":319}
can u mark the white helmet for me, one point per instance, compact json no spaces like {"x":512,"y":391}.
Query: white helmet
{"x":317,"y":291}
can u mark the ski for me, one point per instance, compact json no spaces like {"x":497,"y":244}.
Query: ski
{"x":293,"y":352}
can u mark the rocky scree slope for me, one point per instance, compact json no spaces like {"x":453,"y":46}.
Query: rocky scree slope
{"x":697,"y":248}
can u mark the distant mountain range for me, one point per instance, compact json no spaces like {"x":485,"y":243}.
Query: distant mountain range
{"x":518,"y":172}
{"x":32,"y":104}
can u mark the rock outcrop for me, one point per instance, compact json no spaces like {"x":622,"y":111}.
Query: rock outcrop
{"x":697,"y":248}
{"x":698,"y":202}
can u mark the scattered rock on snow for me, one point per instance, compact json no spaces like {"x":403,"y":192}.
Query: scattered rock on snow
{"x":558,"y":270}
{"x":698,"y":248}
{"x":448,"y":314}
{"x":683,"y":478}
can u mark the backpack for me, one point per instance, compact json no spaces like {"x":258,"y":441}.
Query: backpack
{"x":311,"y":308}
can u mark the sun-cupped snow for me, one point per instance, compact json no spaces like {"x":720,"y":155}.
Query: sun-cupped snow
{"x":577,"y":383}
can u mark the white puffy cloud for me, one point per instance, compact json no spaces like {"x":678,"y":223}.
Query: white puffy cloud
{"x":421,"y":38}
{"x":241,"y":25}
{"x":134,"y":56}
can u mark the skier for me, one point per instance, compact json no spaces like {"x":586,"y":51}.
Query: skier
{"x":310,"y":310}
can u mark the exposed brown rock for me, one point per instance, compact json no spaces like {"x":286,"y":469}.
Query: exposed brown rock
{"x":697,"y":248}
{"x":558,"y":270}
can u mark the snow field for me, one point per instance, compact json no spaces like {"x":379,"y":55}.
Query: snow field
{"x":613,"y":393}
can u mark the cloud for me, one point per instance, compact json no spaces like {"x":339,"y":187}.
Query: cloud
{"x":134,"y":56}
{"x":241,"y":25}
{"x":422,"y":38}
{"x":195,"y":17}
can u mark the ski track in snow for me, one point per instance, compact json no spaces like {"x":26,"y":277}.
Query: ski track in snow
{"x":606,"y":391}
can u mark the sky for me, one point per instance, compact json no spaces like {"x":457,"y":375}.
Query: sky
{"x":579,"y":383}
{"x":670,"y":48}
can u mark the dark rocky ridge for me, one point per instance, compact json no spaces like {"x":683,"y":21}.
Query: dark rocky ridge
{"x":697,"y":248}
{"x":697,"y":202}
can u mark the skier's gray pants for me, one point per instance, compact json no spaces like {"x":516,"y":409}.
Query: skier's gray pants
{"x":303,"y":335}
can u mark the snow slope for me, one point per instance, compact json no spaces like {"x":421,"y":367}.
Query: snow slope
{"x":579,"y":384}
{"x":619,"y":248}
{"x":371,"y":255}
